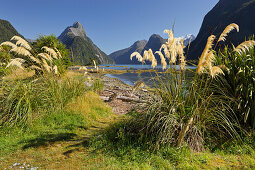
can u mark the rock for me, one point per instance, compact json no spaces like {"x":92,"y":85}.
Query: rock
{"x":105,"y":98}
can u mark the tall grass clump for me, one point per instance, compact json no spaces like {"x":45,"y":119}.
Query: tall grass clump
{"x":195,"y":112}
{"x":239,"y":76}
{"x":21,"y":100}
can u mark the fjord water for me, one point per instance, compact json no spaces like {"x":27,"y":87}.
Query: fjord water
{"x":131,"y":78}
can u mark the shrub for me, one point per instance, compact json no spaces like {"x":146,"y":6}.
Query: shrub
{"x":240,"y":78}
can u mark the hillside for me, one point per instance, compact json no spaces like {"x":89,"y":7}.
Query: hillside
{"x":83,"y":50}
{"x":7,"y":31}
{"x":224,"y":13}
{"x":123,"y":56}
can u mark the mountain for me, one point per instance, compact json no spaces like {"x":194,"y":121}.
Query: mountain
{"x":224,"y":13}
{"x":7,"y":31}
{"x":154,"y":43}
{"x":123,"y":56}
{"x":83,"y":50}
{"x":188,"y":39}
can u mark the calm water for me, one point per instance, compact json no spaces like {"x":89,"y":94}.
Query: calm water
{"x":131,"y":78}
{"x":135,"y":67}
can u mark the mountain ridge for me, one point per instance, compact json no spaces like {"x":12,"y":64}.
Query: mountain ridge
{"x":7,"y":31}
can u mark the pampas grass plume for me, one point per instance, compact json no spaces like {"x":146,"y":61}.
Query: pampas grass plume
{"x":166,"y":51}
{"x":137,"y":55}
{"x":55,"y":70}
{"x":162,"y":58}
{"x":8,"y":43}
{"x":245,"y":46}
{"x":21,"y":42}
{"x":46,"y":66}
{"x":45,"y":56}
{"x":206,"y":50}
{"x":21,"y":51}
{"x":227,"y":30}
{"x":51,"y":52}
{"x":95,"y":65}
{"x":16,"y":62}
{"x":215,"y":70}
{"x":34,"y":67}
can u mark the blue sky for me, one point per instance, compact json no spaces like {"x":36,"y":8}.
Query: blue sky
{"x":111,"y":24}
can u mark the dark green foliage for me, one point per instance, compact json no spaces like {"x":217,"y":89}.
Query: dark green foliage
{"x":82,"y":52}
{"x":52,"y":42}
{"x":4,"y":60}
{"x":240,"y":78}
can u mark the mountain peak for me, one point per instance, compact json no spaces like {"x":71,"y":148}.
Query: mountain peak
{"x":77,"y":25}
{"x":76,"y":30}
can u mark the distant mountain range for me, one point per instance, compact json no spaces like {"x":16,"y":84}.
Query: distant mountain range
{"x":225,"y":12}
{"x":154,"y":43}
{"x":83,"y":50}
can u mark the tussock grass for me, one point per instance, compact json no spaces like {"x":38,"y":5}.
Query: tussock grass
{"x":91,"y":107}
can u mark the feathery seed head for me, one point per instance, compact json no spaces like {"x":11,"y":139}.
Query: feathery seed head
{"x":45,"y":56}
{"x":55,"y":70}
{"x":46,"y":66}
{"x":245,"y":46}
{"x":202,"y":59}
{"x":170,"y":35}
{"x":21,"y":42}
{"x":34,"y":67}
{"x":21,"y":51}
{"x":145,"y":55}
{"x":138,"y":56}
{"x":162,"y":58}
{"x":8,"y":43}
{"x":51,"y":52}
{"x":154,"y":63}
{"x":182,"y":62}
{"x":151,"y":55}
{"x":227,"y":30}
{"x":215,"y":70}
{"x":166,"y":51}
{"x":16,"y":62}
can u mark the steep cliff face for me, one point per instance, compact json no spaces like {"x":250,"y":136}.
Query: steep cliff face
{"x":123,"y":56}
{"x":7,"y":31}
{"x":225,"y":12}
{"x":83,"y":50}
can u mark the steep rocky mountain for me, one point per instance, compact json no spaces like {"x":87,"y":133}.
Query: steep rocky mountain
{"x":7,"y":31}
{"x":83,"y":50}
{"x":154,"y":43}
{"x":123,"y":56}
{"x":225,"y":12}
